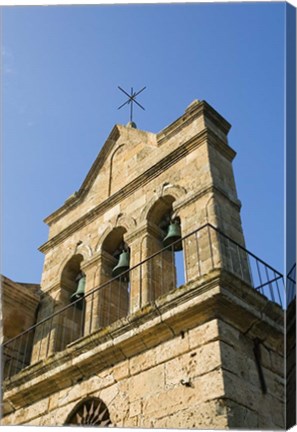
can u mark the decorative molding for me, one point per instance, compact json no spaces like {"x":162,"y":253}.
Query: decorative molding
{"x":197,"y":110}
{"x":221,"y":146}
{"x":89,"y":411}
{"x":145,"y":178}
{"x":190,"y":197}
{"x":201,"y":300}
{"x":85,"y":250}
{"x":125,"y":221}
{"x":166,"y":188}
{"x":105,"y":230}
{"x":140,"y":230}
{"x":111,"y":167}
{"x":130,"y":188}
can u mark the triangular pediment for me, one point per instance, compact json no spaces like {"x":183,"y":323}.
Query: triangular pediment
{"x":116,"y":164}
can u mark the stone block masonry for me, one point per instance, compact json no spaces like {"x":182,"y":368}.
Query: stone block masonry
{"x":143,"y":351}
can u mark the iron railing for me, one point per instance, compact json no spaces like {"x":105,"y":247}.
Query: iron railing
{"x":291,"y":285}
{"x":203,"y":251}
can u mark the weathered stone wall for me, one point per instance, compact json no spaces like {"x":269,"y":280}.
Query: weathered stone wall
{"x":146,"y":390}
{"x":155,"y":355}
{"x":19,"y":305}
{"x":214,"y":360}
{"x":179,"y":168}
{"x":19,"y":310}
{"x":247,"y":406}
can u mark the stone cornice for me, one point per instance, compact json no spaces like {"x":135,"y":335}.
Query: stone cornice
{"x":193,"y":112}
{"x":190,"y":197}
{"x":217,"y":295}
{"x":130,"y":188}
{"x":136,"y":233}
{"x":144,"y":178}
{"x":219,"y":145}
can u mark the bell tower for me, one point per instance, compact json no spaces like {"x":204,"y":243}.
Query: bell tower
{"x":153,"y":312}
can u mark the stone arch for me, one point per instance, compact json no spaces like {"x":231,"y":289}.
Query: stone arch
{"x":89,"y":411}
{"x":69,"y":325}
{"x":166,"y":271}
{"x":84,"y":249}
{"x":166,"y":189}
{"x":161,"y":207}
{"x":105,"y":230}
{"x":126,"y":221}
{"x":121,"y":220}
{"x":70,"y":270}
{"x":113,"y":239}
{"x":81,"y":249}
{"x":113,"y":276}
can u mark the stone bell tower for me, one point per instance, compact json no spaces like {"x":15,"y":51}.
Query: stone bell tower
{"x":153,"y":313}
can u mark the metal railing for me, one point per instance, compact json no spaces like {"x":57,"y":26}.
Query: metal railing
{"x":291,"y":285}
{"x":203,"y":251}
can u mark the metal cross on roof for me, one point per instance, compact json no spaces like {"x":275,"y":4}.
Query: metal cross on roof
{"x":131,"y":99}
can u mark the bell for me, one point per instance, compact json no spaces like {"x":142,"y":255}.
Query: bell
{"x":173,"y":235}
{"x":80,"y":291}
{"x":122,"y":265}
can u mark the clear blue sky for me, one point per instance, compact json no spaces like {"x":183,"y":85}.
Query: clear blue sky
{"x":61,"y":68}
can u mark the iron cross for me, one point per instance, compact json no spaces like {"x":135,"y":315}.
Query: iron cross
{"x":132,"y":98}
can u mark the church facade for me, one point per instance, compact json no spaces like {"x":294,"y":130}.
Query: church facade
{"x":152,"y":313}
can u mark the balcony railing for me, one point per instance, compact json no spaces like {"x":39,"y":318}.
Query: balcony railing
{"x":203,"y":251}
{"x":291,"y":285}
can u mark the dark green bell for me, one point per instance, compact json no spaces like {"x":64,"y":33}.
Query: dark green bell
{"x":122,"y":265}
{"x":173,"y":235}
{"x":80,"y":291}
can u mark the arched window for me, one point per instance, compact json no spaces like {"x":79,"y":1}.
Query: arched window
{"x":114,"y":296}
{"x":70,"y":323}
{"x":166,"y":269}
{"x":90,"y":411}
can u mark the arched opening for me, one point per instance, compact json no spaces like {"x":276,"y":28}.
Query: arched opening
{"x":114,"y":296}
{"x":166,"y":269}
{"x":90,"y":411}
{"x":70,"y":323}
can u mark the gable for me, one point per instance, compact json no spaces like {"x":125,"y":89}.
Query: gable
{"x":125,"y":154}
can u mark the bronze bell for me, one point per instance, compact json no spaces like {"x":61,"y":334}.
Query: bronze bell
{"x":173,"y":235}
{"x":80,"y":291}
{"x":122,"y":265}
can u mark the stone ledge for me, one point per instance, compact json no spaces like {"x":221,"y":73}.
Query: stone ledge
{"x":184,"y":308}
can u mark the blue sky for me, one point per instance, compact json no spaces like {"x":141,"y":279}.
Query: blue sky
{"x":61,"y":68}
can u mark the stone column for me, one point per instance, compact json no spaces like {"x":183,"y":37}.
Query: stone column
{"x":155,"y":275}
{"x":111,"y":301}
{"x":90,"y":269}
{"x":135,"y":241}
{"x":201,"y":247}
{"x":207,"y":249}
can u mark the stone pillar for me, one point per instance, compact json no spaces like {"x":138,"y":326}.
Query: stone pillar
{"x":201,"y":246}
{"x":207,"y":248}
{"x":152,"y":275}
{"x":135,"y":241}
{"x":90,"y":268}
{"x":111,"y":301}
